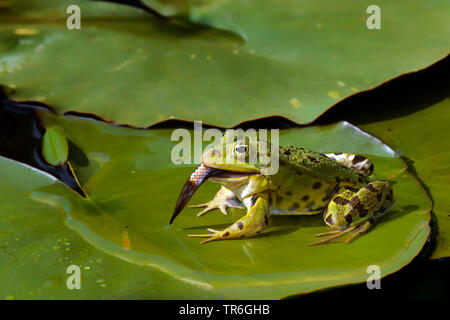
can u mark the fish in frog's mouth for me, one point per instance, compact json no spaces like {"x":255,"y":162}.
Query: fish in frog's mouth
{"x":195,"y":180}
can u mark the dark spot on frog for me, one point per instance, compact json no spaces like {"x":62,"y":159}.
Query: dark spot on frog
{"x":317,"y":185}
{"x":390,"y":195}
{"x":329,"y":219}
{"x":370,"y":188}
{"x":240,"y":225}
{"x":340,"y":200}
{"x":330,"y":193}
{"x":286,"y":152}
{"x":338,"y":153}
{"x":305,"y":198}
{"x":312,"y":159}
{"x":311,"y":206}
{"x":279,"y":199}
{"x":348,"y":218}
{"x":289,"y":193}
{"x":355,"y":202}
{"x":226,"y":234}
{"x":363,"y":212}
{"x":379,"y":196}
{"x":352,"y":189}
{"x":294,"y":206}
{"x":358,"y":159}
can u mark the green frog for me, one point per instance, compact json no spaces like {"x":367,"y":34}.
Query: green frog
{"x":306,"y":183}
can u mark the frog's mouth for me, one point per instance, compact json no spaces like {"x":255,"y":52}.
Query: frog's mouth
{"x":195,"y":180}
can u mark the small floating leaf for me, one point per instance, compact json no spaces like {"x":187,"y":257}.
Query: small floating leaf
{"x":55,"y":148}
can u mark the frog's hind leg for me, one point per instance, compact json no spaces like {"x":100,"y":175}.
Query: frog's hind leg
{"x":254,"y":222}
{"x":223,"y":199}
{"x":353,"y":161}
{"x":356,"y":212}
{"x":385,"y":202}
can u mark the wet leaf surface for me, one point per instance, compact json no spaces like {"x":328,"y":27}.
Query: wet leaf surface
{"x":241,"y":61}
{"x":36,"y":248}
{"x":133,"y":185}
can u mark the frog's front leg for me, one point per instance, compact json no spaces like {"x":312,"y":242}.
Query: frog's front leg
{"x":254,"y":222}
{"x":355,"y":211}
{"x":223,"y":199}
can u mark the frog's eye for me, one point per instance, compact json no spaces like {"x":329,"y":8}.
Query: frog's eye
{"x":241,"y":149}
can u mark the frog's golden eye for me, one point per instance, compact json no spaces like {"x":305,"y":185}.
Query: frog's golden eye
{"x":241,"y":149}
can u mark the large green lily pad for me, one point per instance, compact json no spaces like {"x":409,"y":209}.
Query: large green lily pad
{"x":36,"y":248}
{"x":133,"y":185}
{"x":242,"y":60}
{"x":423,"y":138}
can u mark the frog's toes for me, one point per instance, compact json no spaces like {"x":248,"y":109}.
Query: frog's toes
{"x":222,"y":205}
{"x":214,"y":235}
{"x":361,"y":230}
{"x":329,"y":233}
{"x":209,"y":206}
{"x":355,"y":232}
{"x":334,"y":234}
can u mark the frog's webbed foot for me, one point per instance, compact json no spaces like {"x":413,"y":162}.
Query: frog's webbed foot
{"x":254,"y":222}
{"x":222,"y":200}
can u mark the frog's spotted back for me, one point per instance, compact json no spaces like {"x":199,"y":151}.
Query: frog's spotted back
{"x":322,"y":166}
